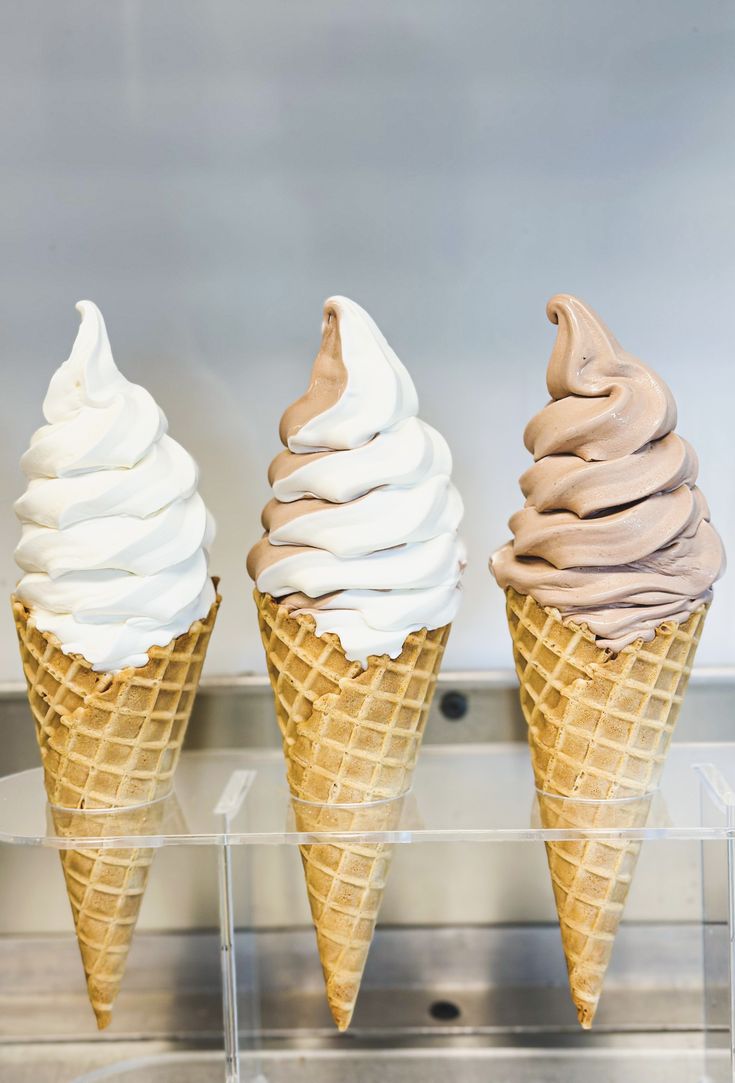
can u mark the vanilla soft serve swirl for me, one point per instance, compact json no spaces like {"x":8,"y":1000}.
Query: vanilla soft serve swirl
{"x":362,"y":530}
{"x":614,"y":532}
{"x":115,"y":534}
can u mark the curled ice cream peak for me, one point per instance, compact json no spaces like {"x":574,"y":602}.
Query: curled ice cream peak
{"x":115,"y":535}
{"x":96,"y":418}
{"x":358,"y":386}
{"x":89,"y":376}
{"x":605,"y":402}
{"x":362,"y":530}
{"x":614,"y":532}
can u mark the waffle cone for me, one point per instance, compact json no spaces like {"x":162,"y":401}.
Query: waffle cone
{"x":108,"y":741}
{"x":351,"y":737}
{"x":599,"y":727}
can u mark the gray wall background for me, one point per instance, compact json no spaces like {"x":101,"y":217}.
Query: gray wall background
{"x":209,"y":172}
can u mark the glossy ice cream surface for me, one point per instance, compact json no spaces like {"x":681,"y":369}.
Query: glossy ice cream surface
{"x":614,"y":533}
{"x":115,"y":535}
{"x":362,"y":529}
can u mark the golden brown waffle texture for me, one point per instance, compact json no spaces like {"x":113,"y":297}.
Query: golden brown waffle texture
{"x":105,"y":889}
{"x":350,"y":737}
{"x":599,"y":726}
{"x":109,"y":741}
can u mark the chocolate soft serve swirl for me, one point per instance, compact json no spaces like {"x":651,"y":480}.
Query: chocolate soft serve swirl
{"x":362,"y":529}
{"x":614,"y":532}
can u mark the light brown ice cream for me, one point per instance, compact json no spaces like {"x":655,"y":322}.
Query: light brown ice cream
{"x":328,"y":380}
{"x":614,"y":532}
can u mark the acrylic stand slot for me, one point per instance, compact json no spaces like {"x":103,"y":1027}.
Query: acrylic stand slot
{"x":463,"y":794}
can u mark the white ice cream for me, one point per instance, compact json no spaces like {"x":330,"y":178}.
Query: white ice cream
{"x":115,"y":536}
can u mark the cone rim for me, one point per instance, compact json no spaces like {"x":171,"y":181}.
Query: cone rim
{"x":262,"y":599}
{"x":664,"y":627}
{"x":126,"y":672}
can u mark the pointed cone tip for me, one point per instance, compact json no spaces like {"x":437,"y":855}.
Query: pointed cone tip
{"x":341,"y":1015}
{"x":103,"y":1017}
{"x":585,"y":1013}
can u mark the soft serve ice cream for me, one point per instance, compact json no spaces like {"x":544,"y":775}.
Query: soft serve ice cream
{"x":115,"y":535}
{"x":614,"y":533}
{"x":362,"y":530}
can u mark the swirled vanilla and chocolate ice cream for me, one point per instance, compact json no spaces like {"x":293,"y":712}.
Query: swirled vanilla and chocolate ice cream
{"x":614,"y":532}
{"x":115,"y":535}
{"x":361,"y":532}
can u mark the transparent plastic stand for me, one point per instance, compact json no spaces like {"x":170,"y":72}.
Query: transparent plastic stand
{"x":460,"y":794}
{"x":718,"y":924}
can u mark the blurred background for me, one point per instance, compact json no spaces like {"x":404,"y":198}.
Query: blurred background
{"x":209,"y":173}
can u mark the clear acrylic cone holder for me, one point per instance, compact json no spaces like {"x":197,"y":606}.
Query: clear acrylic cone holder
{"x":479,"y":794}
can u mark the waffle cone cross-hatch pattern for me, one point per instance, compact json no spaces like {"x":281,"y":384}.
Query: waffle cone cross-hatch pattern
{"x":351,"y":737}
{"x":599,"y":727}
{"x":109,"y":741}
{"x":105,"y":889}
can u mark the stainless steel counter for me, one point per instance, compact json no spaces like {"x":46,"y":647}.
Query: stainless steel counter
{"x":505,"y":988}
{"x":673,"y":1062}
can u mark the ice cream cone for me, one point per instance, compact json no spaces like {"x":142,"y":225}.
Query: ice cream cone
{"x":599,"y":727}
{"x":109,"y":741}
{"x":351,"y":737}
